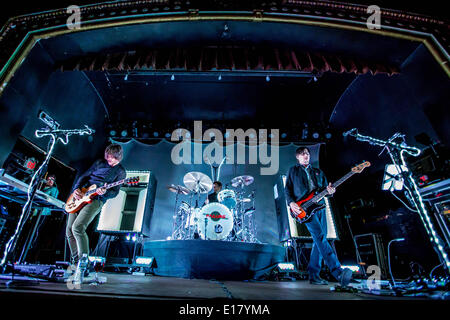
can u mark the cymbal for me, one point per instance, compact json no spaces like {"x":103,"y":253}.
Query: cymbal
{"x":178,"y":189}
{"x":242,"y":181}
{"x":197,"y":182}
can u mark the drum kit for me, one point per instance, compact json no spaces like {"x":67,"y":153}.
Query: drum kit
{"x":229,"y":219}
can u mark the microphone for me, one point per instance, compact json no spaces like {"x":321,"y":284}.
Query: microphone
{"x":349,"y":132}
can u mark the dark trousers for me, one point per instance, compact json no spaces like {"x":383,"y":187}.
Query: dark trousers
{"x":321,"y":250}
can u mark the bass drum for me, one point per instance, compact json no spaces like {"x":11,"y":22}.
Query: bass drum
{"x":218,"y":220}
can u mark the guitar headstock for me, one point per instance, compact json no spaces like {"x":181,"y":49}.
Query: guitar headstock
{"x":360,"y":167}
{"x":132,"y":180}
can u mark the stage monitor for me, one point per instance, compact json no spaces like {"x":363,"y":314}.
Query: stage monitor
{"x":288,"y":228}
{"x":132,"y":209}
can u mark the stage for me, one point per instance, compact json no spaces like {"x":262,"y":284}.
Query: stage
{"x":210,"y":259}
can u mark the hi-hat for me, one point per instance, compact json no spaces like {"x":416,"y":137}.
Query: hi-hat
{"x":242,"y":181}
{"x":178,"y":189}
{"x":197,"y":182}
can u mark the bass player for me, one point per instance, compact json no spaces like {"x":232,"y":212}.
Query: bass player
{"x":102,"y":171}
{"x":301,"y":180}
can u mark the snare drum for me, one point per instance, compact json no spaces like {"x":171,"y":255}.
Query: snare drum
{"x":227,"y":197}
{"x":218,"y":220}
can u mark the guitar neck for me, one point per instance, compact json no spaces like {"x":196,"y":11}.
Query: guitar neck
{"x":322,"y":194}
{"x":110,"y":185}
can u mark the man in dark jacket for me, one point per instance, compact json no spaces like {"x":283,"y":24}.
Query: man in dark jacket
{"x":103,"y":171}
{"x":301,"y":180}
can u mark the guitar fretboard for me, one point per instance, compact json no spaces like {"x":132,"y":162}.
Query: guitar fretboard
{"x":110,"y":185}
{"x":322,"y":194}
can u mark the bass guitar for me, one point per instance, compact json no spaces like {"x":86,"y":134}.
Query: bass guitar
{"x":88,"y":194}
{"x":310,"y":203}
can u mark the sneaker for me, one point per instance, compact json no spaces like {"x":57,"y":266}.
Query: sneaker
{"x":318,"y":281}
{"x":345,"y":277}
{"x":81,"y":270}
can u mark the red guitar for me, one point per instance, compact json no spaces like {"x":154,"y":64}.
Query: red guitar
{"x":309,"y":204}
{"x":73,"y":205}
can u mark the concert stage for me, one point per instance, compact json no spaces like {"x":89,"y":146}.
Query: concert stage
{"x":211,"y":259}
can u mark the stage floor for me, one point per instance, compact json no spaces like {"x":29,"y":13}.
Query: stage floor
{"x":139,"y":287}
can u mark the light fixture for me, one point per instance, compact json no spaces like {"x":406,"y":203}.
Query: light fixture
{"x":168,"y":135}
{"x":220,"y":77}
{"x":267,"y":78}
{"x":283,"y":135}
{"x":126,"y":77}
{"x":112,"y":133}
{"x":155,"y":134}
{"x":124,"y":133}
{"x":144,"y":261}
{"x":286,"y":266}
{"x":315,"y":135}
{"x":328,"y":135}
{"x":172,"y":77}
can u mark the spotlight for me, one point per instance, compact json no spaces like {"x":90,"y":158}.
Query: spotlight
{"x":328,"y":135}
{"x":286,"y":266}
{"x":126,"y":77}
{"x":315,"y":79}
{"x":305,"y":133}
{"x":128,"y":237}
{"x":267,"y":78}
{"x":144,"y":261}
{"x":168,"y":135}
{"x":283,"y":135}
{"x":155,"y":134}
{"x":220,"y":77}
{"x":134,"y":238}
{"x":112,"y":133}
{"x":124,"y":133}
{"x":172,"y":77}
{"x":315,"y":135}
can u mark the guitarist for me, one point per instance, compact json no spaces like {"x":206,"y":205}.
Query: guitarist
{"x":301,"y":180}
{"x":103,"y":171}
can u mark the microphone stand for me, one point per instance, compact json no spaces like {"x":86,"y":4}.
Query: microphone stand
{"x":396,"y":152}
{"x":55,"y":136}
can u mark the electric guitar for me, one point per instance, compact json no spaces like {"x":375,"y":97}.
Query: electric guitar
{"x":88,"y":194}
{"x":309,"y":204}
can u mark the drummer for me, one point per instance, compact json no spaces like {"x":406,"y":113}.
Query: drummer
{"x":217,"y":186}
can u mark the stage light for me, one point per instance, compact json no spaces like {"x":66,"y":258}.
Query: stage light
{"x":315,"y":79}
{"x":95,"y":259}
{"x":126,"y":77}
{"x":286,"y":266}
{"x":267,"y":78}
{"x":328,"y":135}
{"x":128,"y":237}
{"x":124,"y":133}
{"x":353,"y":268}
{"x":144,"y":261}
{"x":155,"y":134}
{"x":315,"y":135}
{"x":112,"y":133}
{"x":283,"y":135}
{"x":305,"y":133}
{"x":172,"y":77}
{"x":220,"y":77}
{"x":134,"y":238}
{"x":168,"y":135}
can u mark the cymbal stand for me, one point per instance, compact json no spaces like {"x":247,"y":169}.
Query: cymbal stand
{"x":176,"y":227}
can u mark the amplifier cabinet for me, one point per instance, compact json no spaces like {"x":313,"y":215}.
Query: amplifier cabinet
{"x":131,"y":211}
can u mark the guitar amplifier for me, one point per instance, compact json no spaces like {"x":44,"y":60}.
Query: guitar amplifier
{"x":371,"y":250}
{"x":131,"y":211}
{"x":288,"y":228}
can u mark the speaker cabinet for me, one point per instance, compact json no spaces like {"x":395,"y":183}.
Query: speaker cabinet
{"x":131,"y":211}
{"x":288,"y":228}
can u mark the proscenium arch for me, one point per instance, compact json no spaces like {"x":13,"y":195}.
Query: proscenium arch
{"x":32,"y":37}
